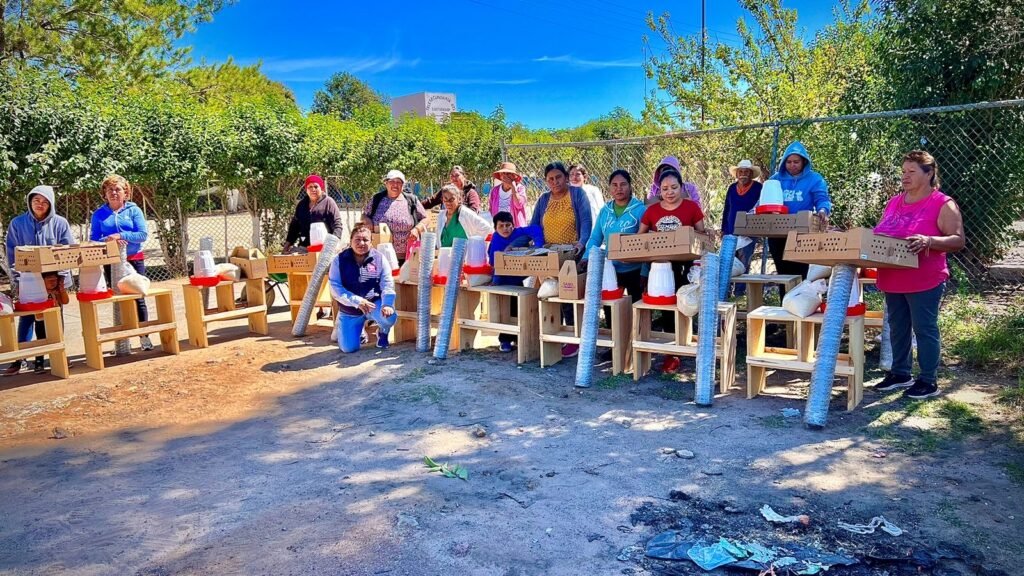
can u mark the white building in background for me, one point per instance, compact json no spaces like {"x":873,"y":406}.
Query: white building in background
{"x":437,"y":105}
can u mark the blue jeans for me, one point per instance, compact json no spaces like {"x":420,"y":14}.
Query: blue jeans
{"x":26,"y":324}
{"x":911,"y":314}
{"x":350,"y":327}
{"x":745,"y":254}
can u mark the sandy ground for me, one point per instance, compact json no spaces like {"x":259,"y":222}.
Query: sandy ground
{"x":279,"y":455}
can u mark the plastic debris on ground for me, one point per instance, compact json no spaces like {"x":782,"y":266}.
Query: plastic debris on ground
{"x":679,"y":545}
{"x":869,"y":528}
{"x":790,"y":412}
{"x":773,"y":516}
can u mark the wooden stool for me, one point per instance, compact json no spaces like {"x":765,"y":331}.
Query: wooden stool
{"x":486,"y":309}
{"x":94,"y":336}
{"x":553,"y":334}
{"x":801,"y":359}
{"x":198,"y":317}
{"x":53,"y":345}
{"x":647,"y":342}
{"x":755,"y":287}
{"x":298,"y":282}
{"x":406,"y":298}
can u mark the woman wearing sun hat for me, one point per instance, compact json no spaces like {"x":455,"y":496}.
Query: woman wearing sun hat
{"x":742,"y":196}
{"x":510,"y":196}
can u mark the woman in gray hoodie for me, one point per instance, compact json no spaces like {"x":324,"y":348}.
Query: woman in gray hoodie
{"x":38,"y":226}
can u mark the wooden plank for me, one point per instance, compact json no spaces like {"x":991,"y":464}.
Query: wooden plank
{"x":36,"y":349}
{"x":528,"y":343}
{"x":550,"y":313}
{"x":110,"y":334}
{"x":495,"y":327}
{"x":8,"y":333}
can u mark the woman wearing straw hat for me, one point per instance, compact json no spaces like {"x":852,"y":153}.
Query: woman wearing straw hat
{"x":510,"y":196}
{"x":742,"y":196}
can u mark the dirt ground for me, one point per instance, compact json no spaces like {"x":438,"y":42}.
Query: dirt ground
{"x":279,"y":455}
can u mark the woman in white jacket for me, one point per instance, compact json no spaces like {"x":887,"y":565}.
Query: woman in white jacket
{"x":456,"y":221}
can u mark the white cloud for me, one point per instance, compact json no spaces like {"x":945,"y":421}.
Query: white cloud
{"x":592,"y":64}
{"x":338,"y":63}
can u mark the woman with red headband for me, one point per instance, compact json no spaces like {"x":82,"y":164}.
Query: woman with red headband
{"x":318,"y":206}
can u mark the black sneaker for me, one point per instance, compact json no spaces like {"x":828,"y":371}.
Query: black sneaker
{"x":921,"y":390}
{"x":39,"y":367}
{"x":892,"y":382}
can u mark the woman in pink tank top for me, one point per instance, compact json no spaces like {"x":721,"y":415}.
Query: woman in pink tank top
{"x":931,"y":221}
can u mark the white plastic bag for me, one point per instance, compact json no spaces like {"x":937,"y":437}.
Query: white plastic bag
{"x":737,"y":267}
{"x":134,"y":283}
{"x":227,"y":271}
{"x":548,"y":289}
{"x":530,"y":282}
{"x":406,"y":273}
{"x":818,"y":272}
{"x":688,"y":299}
{"x":804,"y":300}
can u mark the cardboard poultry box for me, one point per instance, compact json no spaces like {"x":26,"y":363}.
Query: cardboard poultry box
{"x":538,"y":262}
{"x":776,"y":225}
{"x":99,"y":253}
{"x":571,"y":284}
{"x":858,"y":247}
{"x":286,"y":263}
{"x":252,"y":262}
{"x":684,"y":244}
{"x":47,"y":258}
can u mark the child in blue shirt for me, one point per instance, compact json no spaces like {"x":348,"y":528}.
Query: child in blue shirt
{"x":505,"y":236}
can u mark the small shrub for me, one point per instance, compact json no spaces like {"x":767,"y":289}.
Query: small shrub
{"x":982,"y":338}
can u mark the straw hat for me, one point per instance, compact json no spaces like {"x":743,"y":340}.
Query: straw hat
{"x":507,"y":168}
{"x":748,"y":165}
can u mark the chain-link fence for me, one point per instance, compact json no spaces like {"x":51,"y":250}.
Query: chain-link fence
{"x":979,"y":149}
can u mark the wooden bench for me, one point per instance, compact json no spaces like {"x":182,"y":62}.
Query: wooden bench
{"x":761,"y":358}
{"x":553,"y":333}
{"x":647,"y":342}
{"x":298,"y":282}
{"x":198,"y":317}
{"x":486,"y":309}
{"x":755,"y":288}
{"x":52,"y":345}
{"x":130,"y":326}
{"x":406,"y":298}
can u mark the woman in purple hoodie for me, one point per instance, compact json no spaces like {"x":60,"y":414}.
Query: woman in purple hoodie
{"x":654,"y":196}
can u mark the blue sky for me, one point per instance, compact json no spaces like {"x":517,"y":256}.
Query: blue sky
{"x":551,"y":65}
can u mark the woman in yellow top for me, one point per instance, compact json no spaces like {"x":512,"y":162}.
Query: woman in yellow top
{"x":564,"y":211}
{"x":564,"y":214}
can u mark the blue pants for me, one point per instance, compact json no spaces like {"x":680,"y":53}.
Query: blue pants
{"x":350,"y":327}
{"x":26,"y":324}
{"x":910,"y":314}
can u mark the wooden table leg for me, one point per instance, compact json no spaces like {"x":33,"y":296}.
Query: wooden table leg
{"x":529,"y":331}
{"x":756,"y":375}
{"x":55,"y":335}
{"x":165,"y":314}
{"x":256,"y":295}
{"x":194,"y":313}
{"x":91,"y":334}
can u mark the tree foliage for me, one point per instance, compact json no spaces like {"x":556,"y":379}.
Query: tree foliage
{"x":343,"y":95}
{"x":93,"y":38}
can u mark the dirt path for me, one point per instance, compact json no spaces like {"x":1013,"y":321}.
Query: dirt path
{"x":278,"y":456}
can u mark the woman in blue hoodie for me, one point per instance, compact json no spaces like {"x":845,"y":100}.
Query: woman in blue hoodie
{"x":620,"y":216}
{"x":802,"y":189}
{"x":38,"y":226}
{"x":122,"y":220}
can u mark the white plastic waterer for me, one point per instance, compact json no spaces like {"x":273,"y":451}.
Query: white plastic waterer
{"x":31,"y":288}
{"x":609,"y":282}
{"x":444,"y":260}
{"x":91,"y":280}
{"x":204,"y":265}
{"x":317,"y":234}
{"x":387,"y":251}
{"x":772,"y":201}
{"x":661,"y":283}
{"x":476,"y":251}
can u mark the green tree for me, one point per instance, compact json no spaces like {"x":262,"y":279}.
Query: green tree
{"x":342,"y":95}
{"x":229,"y":83}
{"x":93,"y":38}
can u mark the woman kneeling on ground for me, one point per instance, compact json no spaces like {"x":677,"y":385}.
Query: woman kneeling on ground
{"x":361,"y":282}
{"x":931,"y":221}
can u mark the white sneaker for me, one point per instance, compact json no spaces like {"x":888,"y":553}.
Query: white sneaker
{"x":146,"y":343}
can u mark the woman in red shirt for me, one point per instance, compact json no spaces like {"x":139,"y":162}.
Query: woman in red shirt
{"x":673,"y":212}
